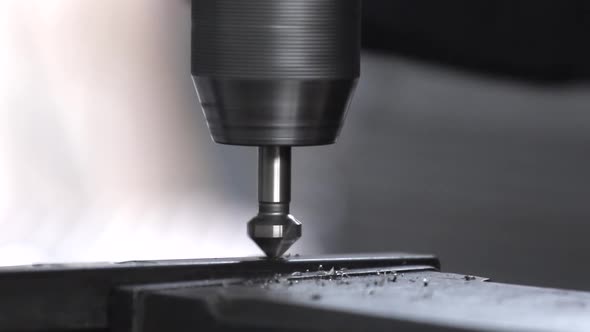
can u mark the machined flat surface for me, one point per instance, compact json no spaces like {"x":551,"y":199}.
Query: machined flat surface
{"x":76,"y":297}
{"x":375,"y":300}
{"x":396,"y":292}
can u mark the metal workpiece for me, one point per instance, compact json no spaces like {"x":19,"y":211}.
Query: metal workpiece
{"x":274,"y":229}
{"x":386,"y":292}
{"x":330,"y":298}
{"x":58,"y":297}
{"x":275,"y":72}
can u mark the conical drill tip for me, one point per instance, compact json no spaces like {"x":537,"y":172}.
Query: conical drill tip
{"x":274,"y":233}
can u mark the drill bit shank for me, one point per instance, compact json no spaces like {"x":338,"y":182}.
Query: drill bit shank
{"x":274,"y":176}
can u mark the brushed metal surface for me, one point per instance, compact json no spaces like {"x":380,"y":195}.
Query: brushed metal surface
{"x":275,"y":72}
{"x":265,"y":112}
{"x":272,"y":39}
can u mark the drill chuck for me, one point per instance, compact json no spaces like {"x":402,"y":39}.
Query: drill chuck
{"x":275,"y":74}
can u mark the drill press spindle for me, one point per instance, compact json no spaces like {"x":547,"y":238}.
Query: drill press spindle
{"x":275,"y":74}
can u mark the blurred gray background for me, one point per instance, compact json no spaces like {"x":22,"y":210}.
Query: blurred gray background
{"x":489,"y":174}
{"x":104,"y":153}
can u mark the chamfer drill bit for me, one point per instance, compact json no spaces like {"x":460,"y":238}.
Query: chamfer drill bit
{"x":274,"y":229}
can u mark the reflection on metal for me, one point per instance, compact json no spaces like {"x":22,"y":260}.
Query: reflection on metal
{"x":274,"y":175}
{"x":272,"y":231}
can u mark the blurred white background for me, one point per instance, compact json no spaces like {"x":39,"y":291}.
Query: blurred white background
{"x":102,"y":138}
